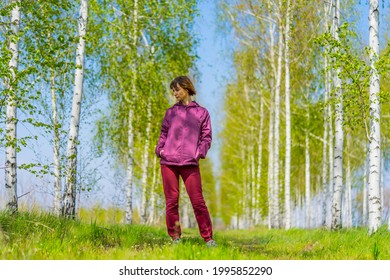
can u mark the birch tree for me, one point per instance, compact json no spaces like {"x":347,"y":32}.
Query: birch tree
{"x":275,"y":60}
{"x":130,"y":119}
{"x":52,"y":57}
{"x":307,"y":181}
{"x":56,"y":151}
{"x":374,"y":203}
{"x":11,"y":112}
{"x":287,"y":198}
{"x":69,"y":202}
{"x":259,"y":158}
{"x":327,"y":157}
{"x":364,"y":193}
{"x":58,"y":42}
{"x":276,"y":218}
{"x":153,"y":199}
{"x":145,"y":164}
{"x":339,"y":135}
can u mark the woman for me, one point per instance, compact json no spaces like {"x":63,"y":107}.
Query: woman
{"x":185,"y":138}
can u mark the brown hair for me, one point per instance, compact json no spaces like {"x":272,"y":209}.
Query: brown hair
{"x":184,"y":83}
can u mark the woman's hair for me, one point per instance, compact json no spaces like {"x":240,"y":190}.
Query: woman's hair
{"x":184,"y":83}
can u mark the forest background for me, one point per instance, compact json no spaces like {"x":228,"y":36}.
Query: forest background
{"x":231,"y":50}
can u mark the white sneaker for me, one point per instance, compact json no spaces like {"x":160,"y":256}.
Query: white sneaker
{"x":177,"y":241}
{"x":211,"y":243}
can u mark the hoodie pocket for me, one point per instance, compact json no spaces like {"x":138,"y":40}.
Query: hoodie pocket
{"x":169,"y":157}
{"x":197,"y":155}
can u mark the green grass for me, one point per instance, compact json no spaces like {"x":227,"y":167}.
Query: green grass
{"x":43,"y":236}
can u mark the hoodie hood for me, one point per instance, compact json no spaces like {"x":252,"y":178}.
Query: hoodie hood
{"x":191,"y":104}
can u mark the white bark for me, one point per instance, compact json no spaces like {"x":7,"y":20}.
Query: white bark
{"x":325,"y":169}
{"x":388,"y":226}
{"x":276,"y":219}
{"x":273,"y":200}
{"x":246,"y":182}
{"x":271,"y":188}
{"x":130,"y":168}
{"x":271,"y":179}
{"x":69,"y":203}
{"x":130,"y":129}
{"x":152,"y":211}
{"x":11,"y":114}
{"x":253,"y":183}
{"x":307,"y":182}
{"x":364,"y":217}
{"x":145,"y":165}
{"x":348,"y":195}
{"x":339,"y":136}
{"x":326,"y":143}
{"x":287,"y":198}
{"x":259,"y":160}
{"x":331,"y":162}
{"x":318,"y":205}
{"x":374,"y":200}
{"x":56,"y":151}
{"x":328,"y":134}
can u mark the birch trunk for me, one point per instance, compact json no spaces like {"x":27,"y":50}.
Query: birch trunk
{"x":271,"y":177}
{"x":69,"y":203}
{"x":11,"y":114}
{"x":259,"y":160}
{"x":325,"y":165}
{"x":339,"y":136}
{"x":145,"y":164}
{"x":327,"y":179}
{"x":130,"y":129}
{"x":253,"y":183}
{"x":245,"y":180}
{"x":271,"y":194}
{"x":287,"y":199}
{"x":307,"y":182}
{"x":388,"y":226}
{"x":374,"y":200}
{"x":331,"y":163}
{"x":364,"y":217}
{"x":247,"y":151}
{"x":56,"y":150}
{"x":276,"y":166}
{"x":130,"y":168}
{"x":151,"y":218}
{"x":318,"y":205}
{"x":348,"y":195}
{"x":324,"y":171}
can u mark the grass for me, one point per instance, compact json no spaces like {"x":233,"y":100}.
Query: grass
{"x":45,"y":237}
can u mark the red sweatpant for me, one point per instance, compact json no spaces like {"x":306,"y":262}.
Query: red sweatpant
{"x":192,"y":181}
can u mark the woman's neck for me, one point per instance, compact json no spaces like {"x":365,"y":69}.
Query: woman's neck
{"x":186,"y":101}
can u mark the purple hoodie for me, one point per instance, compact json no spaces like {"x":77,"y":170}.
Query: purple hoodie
{"x":185,"y":135}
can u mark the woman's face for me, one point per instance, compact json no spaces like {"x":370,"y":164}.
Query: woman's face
{"x":180,"y":93}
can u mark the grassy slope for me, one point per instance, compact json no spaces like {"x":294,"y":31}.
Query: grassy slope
{"x":42,"y":236}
